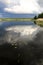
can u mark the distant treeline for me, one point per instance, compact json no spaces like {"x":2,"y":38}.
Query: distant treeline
{"x":39,"y":16}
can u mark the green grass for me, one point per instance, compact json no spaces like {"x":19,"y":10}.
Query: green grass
{"x":40,"y":23}
{"x":15,"y":19}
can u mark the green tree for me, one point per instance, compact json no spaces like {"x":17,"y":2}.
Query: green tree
{"x":35,"y":17}
{"x":40,"y":15}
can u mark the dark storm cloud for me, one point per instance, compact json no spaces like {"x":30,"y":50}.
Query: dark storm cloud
{"x":2,"y":6}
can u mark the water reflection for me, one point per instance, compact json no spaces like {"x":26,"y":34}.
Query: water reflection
{"x":18,"y":31}
{"x":21,"y":44}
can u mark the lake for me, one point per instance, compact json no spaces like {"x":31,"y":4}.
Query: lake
{"x":21,"y":43}
{"x":17,"y":31}
{"x":7,"y":24}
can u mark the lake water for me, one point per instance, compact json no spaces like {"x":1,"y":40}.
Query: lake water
{"x":7,"y":24}
{"x":14,"y":31}
{"x":27,"y":39}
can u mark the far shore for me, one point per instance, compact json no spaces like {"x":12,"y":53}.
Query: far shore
{"x":15,"y":19}
{"x":20,"y":19}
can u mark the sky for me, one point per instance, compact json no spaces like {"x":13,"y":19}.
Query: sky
{"x":21,"y":6}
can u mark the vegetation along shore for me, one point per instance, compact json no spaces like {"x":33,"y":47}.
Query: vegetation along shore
{"x":37,"y":19}
{"x":15,"y":19}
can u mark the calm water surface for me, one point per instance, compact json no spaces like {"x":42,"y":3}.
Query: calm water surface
{"x":27,"y":41}
{"x":6,"y":24}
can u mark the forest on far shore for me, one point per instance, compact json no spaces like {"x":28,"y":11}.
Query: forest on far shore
{"x":39,"y":16}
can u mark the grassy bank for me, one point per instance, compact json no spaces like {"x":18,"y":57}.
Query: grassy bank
{"x":15,"y":19}
{"x":40,"y":23}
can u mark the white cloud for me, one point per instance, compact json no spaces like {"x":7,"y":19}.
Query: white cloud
{"x":22,"y":6}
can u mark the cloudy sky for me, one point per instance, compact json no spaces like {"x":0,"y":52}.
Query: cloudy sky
{"x":22,"y":6}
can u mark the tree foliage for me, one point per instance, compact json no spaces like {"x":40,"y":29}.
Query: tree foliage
{"x":40,"y":15}
{"x":35,"y":17}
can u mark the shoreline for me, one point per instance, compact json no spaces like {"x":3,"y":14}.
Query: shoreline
{"x":38,"y":21}
{"x":15,"y":19}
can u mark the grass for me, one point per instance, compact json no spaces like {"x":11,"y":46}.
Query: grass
{"x":40,"y":23}
{"x":15,"y":19}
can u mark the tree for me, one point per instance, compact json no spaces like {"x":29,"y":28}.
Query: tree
{"x":35,"y":17}
{"x":40,"y":15}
